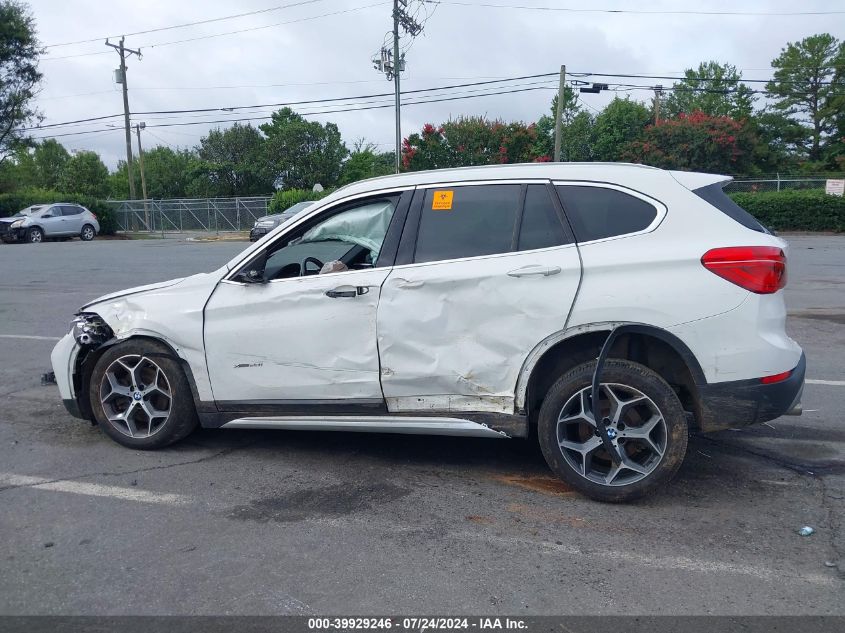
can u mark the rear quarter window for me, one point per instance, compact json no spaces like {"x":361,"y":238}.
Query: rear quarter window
{"x":716,"y":197}
{"x":597,"y":212}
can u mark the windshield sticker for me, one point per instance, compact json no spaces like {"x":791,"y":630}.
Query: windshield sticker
{"x":442,"y":201}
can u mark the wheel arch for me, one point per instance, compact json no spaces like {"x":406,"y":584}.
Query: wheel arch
{"x":646,"y":344}
{"x":85,"y":368}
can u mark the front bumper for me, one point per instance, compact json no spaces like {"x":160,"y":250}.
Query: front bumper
{"x":63,"y":360}
{"x":13,"y":235}
{"x":725,"y":405}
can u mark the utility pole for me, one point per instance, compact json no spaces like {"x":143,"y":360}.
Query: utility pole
{"x":396,"y":89}
{"x":138,"y":128}
{"x":559,"y":114}
{"x":391,"y":63}
{"x":657,"y":91}
{"x":120,"y":77}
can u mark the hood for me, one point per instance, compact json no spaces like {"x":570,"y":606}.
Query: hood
{"x":9,"y":220}
{"x":133,"y":291}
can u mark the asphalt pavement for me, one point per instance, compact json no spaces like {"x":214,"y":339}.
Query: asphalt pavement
{"x":260,"y":522}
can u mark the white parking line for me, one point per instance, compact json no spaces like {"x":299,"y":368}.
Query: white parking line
{"x":28,"y":337}
{"x":830,"y":383}
{"x":93,"y":490}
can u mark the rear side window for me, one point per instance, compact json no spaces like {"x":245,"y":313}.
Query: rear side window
{"x":541,"y":227}
{"x":69,"y":210}
{"x":598,"y":212}
{"x":467,"y":221}
{"x":715,"y":196}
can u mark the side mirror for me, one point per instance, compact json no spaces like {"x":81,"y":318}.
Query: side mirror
{"x":251,"y":276}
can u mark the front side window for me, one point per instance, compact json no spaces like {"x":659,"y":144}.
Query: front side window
{"x":467,"y":221}
{"x":599,"y":212}
{"x":348,"y":240}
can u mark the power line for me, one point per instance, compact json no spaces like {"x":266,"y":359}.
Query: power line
{"x":187,"y":24}
{"x":630,"y":11}
{"x":335,"y":111}
{"x":246,"y":30}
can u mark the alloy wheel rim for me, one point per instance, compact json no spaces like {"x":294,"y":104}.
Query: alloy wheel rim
{"x":635,"y":426}
{"x":88,"y":234}
{"x":35,"y":236}
{"x":136,"y":397}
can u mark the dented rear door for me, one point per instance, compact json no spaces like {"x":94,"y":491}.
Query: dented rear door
{"x":485,"y":272}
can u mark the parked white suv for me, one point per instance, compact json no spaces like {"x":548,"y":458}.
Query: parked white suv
{"x":41,"y":221}
{"x":477,"y":301}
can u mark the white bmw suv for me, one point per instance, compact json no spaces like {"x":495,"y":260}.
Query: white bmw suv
{"x":613,"y":308}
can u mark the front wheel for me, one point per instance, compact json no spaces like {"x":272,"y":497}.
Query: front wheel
{"x":87,"y":234}
{"x":35,"y":235}
{"x":140,"y":395}
{"x":644,"y":419}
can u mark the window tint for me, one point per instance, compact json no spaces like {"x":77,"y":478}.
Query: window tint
{"x":69,"y":210}
{"x":719,"y":199}
{"x":541,"y":225}
{"x":467,"y":221}
{"x":599,"y":212}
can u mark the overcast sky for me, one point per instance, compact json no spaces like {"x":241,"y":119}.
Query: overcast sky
{"x":331,"y":56}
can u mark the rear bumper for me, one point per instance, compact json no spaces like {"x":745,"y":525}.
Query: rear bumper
{"x":726,"y":405}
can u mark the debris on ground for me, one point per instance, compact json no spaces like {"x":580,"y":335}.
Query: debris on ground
{"x":806,"y":531}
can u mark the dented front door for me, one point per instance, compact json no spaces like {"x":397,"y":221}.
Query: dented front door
{"x":308,"y":338}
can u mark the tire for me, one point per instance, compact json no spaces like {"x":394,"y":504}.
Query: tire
{"x":35,"y":235}
{"x":140,"y":396}
{"x":651,"y":429}
{"x":87,"y":233}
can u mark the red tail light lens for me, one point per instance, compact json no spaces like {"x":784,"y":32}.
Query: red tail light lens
{"x":94,"y":214}
{"x":760,"y":269}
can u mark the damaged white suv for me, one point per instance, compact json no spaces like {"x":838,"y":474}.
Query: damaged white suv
{"x":616,"y":308}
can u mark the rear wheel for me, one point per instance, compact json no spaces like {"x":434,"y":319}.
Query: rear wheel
{"x":35,"y":235}
{"x":140,"y":395}
{"x":645,"y":422}
{"x":87,"y":234}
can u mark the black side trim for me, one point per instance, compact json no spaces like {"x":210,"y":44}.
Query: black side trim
{"x":390,"y":246}
{"x":742,"y":402}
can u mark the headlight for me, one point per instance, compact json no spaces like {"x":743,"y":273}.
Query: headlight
{"x":90,"y":329}
{"x":17,"y":224}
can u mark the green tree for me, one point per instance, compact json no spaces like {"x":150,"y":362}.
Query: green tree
{"x":576,"y":142}
{"x":712,"y":88}
{"x":695,"y":142}
{"x":365,"y":162}
{"x":302,"y":153}
{"x":50,"y":158}
{"x":469,"y":141}
{"x":19,"y":76}
{"x":808,"y":86}
{"x":231,"y":162}
{"x":84,"y":173}
{"x":621,"y":122}
{"x":545,"y":128}
{"x":167,"y":173}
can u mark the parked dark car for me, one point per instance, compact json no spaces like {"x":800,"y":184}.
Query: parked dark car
{"x":267,"y":223}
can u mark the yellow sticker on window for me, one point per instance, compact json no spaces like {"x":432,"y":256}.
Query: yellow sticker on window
{"x":442,"y":201}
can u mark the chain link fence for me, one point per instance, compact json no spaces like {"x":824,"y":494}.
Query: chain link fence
{"x":215,"y":215}
{"x":777,"y":183}
{"x":218,"y":215}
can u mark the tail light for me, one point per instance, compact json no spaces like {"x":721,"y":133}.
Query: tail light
{"x":94,"y":215}
{"x":760,"y":269}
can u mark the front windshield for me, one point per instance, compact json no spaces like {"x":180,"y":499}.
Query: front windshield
{"x":29,"y":211}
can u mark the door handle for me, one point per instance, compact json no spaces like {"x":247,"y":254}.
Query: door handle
{"x":337,"y":293}
{"x":527,"y":271}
